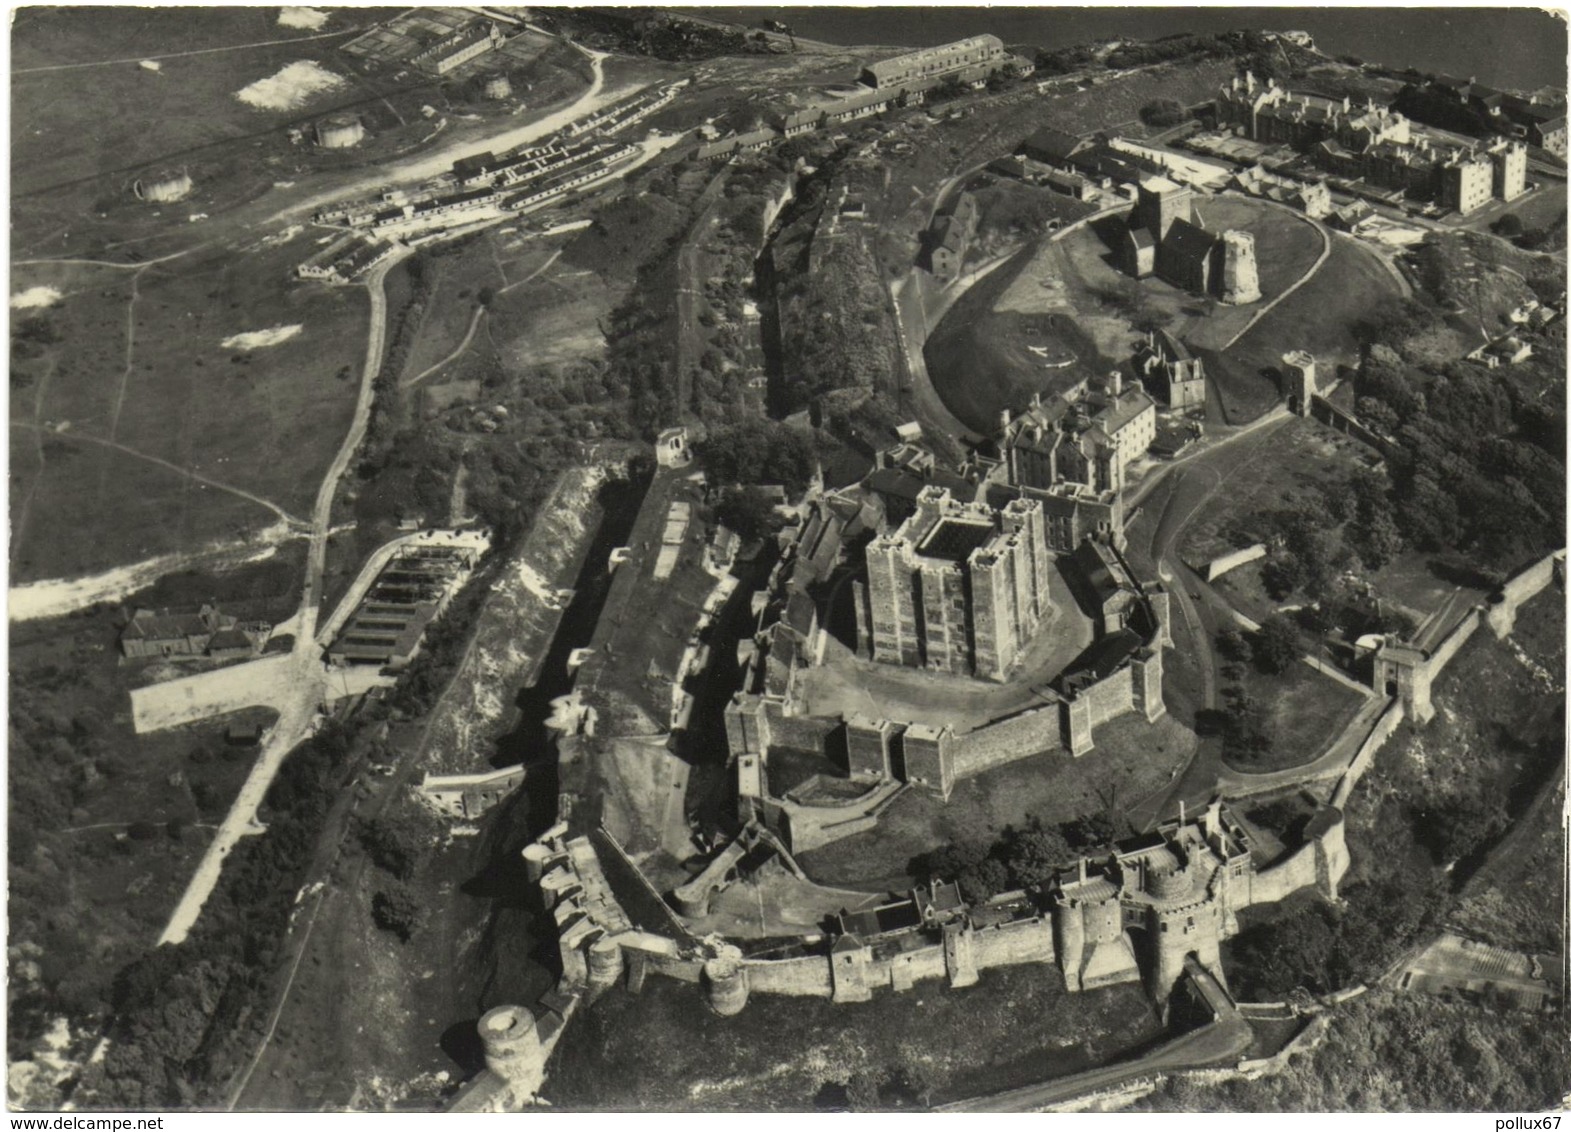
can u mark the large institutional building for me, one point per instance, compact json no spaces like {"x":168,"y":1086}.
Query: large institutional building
{"x":958,"y":587}
{"x":1374,"y":144}
{"x":1069,"y":454}
{"x":933,"y":63}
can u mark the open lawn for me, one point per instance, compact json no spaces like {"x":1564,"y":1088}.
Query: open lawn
{"x":1304,"y":456}
{"x":128,"y":432}
{"x":1318,"y":317}
{"x":1132,"y":759}
{"x":663,"y":1050}
{"x":1308,"y":710}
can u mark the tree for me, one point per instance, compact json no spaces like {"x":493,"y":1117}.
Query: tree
{"x":1034,"y":853}
{"x":1247,"y":730}
{"x":1276,"y":645}
{"x":1232,"y":644}
{"x":1163,"y":112}
{"x":748,"y":511}
{"x":1282,"y":574}
{"x":395,"y":909}
{"x":1508,"y":226}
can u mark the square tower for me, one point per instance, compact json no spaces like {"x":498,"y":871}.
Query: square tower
{"x":1162,"y":202}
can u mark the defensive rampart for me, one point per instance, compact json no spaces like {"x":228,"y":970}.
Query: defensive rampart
{"x":1030,"y":733}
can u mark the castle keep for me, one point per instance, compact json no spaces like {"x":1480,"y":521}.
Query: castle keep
{"x":958,"y":587}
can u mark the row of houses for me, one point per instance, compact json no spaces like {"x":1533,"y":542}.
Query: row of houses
{"x":585,"y":166}
{"x":1532,"y":120}
{"x":1463,"y":178}
{"x":345,"y":259}
{"x":628,"y":112}
{"x":1265,"y":112}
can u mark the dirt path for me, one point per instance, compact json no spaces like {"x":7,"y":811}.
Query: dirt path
{"x":110,"y":263}
{"x":458,"y":352}
{"x":135,"y":60}
{"x":532,"y":276}
{"x":25,"y":507}
{"x":84,"y":438}
{"x":1325,"y":254}
{"x":300,"y":680}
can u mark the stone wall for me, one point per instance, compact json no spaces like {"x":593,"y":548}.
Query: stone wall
{"x":1030,"y":733}
{"x":1522,"y":588}
{"x":1022,"y":941}
{"x":1384,"y":728}
{"x":806,"y":976}
{"x":1220,"y":565}
{"x":1346,"y":423}
{"x":1452,"y":644}
{"x":1095,"y":704}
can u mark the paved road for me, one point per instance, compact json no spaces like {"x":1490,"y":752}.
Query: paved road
{"x":911,"y":321}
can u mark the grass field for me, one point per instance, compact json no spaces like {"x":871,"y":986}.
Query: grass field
{"x":1307,"y":711}
{"x":663,"y":1050}
{"x":1318,"y":317}
{"x":1304,"y":456}
{"x":1131,"y":760}
{"x":188,"y":103}
{"x":140,"y":390}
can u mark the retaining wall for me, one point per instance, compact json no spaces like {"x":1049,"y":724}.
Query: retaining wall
{"x":1215,"y":568}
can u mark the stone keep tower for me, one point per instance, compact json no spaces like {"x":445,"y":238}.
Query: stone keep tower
{"x":1298,"y":380}
{"x":1240,"y":275}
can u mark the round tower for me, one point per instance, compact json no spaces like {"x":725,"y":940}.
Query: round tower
{"x":342,"y":131}
{"x":605,"y":964}
{"x":1240,"y":274}
{"x":725,"y":979}
{"x":512,"y":1047}
{"x":1298,"y":380}
{"x":498,"y":88}
{"x":535,"y":857}
{"x":1069,"y":941}
{"x":165,"y":186}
